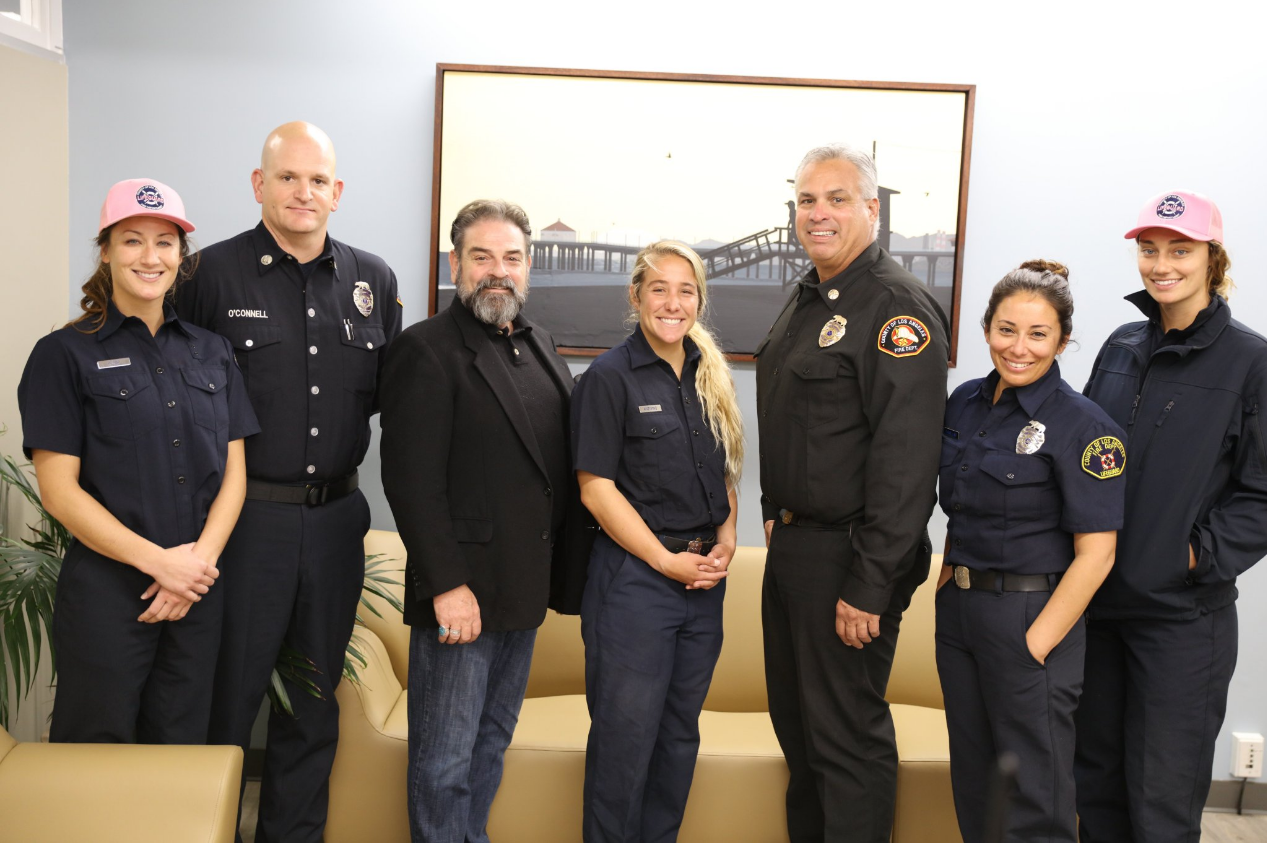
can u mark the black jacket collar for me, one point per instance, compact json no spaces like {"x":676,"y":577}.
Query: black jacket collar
{"x":1204,"y":330}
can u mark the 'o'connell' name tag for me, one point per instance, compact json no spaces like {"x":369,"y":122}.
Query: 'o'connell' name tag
{"x":115,"y":363}
{"x":649,"y":408}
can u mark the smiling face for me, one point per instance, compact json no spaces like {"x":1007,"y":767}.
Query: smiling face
{"x":667,"y":302}
{"x":1175,"y":270}
{"x":1024,"y":338}
{"x":144,"y":256}
{"x":833,"y":222}
{"x":296,"y":186}
{"x":492,"y":273}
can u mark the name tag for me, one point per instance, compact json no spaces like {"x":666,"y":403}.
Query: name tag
{"x":649,"y":408}
{"x":115,"y":363}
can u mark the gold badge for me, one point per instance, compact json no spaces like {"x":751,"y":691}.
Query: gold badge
{"x":1104,"y":457}
{"x":832,"y":331}
{"x":1031,"y":438}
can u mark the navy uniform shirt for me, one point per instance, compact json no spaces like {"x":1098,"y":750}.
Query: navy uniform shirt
{"x":851,"y":386}
{"x":310,"y":344}
{"x":1020,"y":477}
{"x":150,"y":418}
{"x":634,"y":422}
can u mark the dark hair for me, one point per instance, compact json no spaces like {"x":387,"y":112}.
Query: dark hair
{"x":99,"y":288}
{"x":489,"y":209}
{"x":1041,"y":278}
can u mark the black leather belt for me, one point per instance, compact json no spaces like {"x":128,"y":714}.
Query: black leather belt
{"x":695,"y":545}
{"x":1003,"y":581}
{"x":310,"y":495}
{"x":787,"y":516}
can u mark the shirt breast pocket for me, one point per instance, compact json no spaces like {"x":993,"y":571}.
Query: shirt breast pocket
{"x":820,"y":392}
{"x":207,"y":400}
{"x":126,"y":405}
{"x":653,"y":454}
{"x":360,"y":356}
{"x":1023,"y":483}
{"x":257,"y":347}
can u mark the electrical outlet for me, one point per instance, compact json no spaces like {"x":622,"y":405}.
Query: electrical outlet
{"x":1247,"y":755}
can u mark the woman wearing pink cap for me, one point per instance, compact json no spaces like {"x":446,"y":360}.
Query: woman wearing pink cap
{"x":1189,"y":385}
{"x":134,"y":421}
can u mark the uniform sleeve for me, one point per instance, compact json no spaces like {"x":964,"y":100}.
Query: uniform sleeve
{"x":1090,"y":473}
{"x":1233,"y":535}
{"x":50,"y":402}
{"x":242,"y":421}
{"x":392,"y":320}
{"x":417,"y":423}
{"x":904,"y":397}
{"x":598,"y":423}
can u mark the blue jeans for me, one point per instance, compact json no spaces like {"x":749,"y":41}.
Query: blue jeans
{"x":464,"y":701}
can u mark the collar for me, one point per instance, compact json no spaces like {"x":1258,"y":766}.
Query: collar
{"x":1030,"y":397}
{"x":1209,"y":323}
{"x":642,"y":354}
{"x":269,"y":255}
{"x":859,"y":267}
{"x":116,"y":320}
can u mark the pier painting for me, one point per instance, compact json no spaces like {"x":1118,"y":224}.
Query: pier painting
{"x":605,"y":163}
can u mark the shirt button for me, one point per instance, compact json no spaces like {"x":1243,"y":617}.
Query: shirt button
{"x":249,"y":343}
{"x":549,"y":491}
{"x":181,"y":480}
{"x":312,"y":469}
{"x":696,"y":432}
{"x":313,"y":431}
{"x":123,"y":392}
{"x":316,"y":390}
{"x":958,"y":542}
{"x":981,"y":433}
{"x":1011,"y":476}
{"x":653,"y":430}
{"x":516,"y":352}
{"x":211,"y":386}
{"x":545,"y":535}
{"x":175,"y":443}
{"x":699,"y":465}
{"x":370,"y":345}
{"x":710,"y":495}
{"x":789,"y":333}
{"x":312,"y":311}
{"x":171,"y":403}
{"x":312,"y":349}
{"x":687,"y":399}
{"x":957,"y":507}
{"x":159,"y":370}
{"x":963,"y":467}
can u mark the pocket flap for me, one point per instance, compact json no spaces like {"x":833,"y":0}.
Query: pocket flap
{"x":250,"y":336}
{"x":472,"y":529}
{"x":650,"y":425}
{"x":815,"y":367}
{"x":122,"y":387}
{"x":364,"y":337}
{"x":210,"y":379}
{"x":1016,"y":469}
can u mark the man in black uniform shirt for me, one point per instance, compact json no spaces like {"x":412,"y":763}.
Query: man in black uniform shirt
{"x":851,"y":388}
{"x":309,"y":318}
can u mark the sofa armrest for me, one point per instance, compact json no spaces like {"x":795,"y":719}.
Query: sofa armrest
{"x":378,"y":688}
{"x":105,"y":792}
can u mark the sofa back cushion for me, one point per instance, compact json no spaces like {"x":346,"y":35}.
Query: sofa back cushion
{"x":6,"y":743}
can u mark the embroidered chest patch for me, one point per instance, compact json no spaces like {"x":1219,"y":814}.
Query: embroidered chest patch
{"x":1104,"y":457}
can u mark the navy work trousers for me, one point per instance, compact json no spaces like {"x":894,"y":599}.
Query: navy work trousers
{"x":827,"y":698}
{"x":294,"y":576}
{"x":1156,"y":693}
{"x":120,"y":680}
{"x":650,"y":650}
{"x":999,"y":699}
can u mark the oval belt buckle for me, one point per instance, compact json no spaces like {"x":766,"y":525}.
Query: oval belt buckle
{"x":963,"y":578}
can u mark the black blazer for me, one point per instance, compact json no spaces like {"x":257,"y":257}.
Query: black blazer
{"x":469,"y":492}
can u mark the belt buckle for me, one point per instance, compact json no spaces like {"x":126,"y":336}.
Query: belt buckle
{"x":695,"y":545}
{"x":787,"y":516}
{"x":963,"y":578}
{"x":317,"y":495}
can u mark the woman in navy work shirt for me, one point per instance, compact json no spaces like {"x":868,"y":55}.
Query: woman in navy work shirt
{"x":134,"y":421}
{"x":1189,"y":384}
{"x":657,"y":441}
{"x":1031,"y":479}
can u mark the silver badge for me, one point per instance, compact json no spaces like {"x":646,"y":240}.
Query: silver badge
{"x":266,"y":260}
{"x":832,"y":331}
{"x":363,"y":298}
{"x":649,"y":408}
{"x":1031,"y":438}
{"x":833,"y":294}
{"x":115,"y":363}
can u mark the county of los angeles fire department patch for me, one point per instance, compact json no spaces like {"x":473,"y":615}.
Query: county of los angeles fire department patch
{"x":1104,"y":457}
{"x":903,"y":336}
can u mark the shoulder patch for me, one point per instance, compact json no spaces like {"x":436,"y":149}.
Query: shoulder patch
{"x":1104,"y":457}
{"x":903,"y":336}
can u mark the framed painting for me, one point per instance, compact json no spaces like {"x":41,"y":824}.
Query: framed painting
{"x":605,"y":162}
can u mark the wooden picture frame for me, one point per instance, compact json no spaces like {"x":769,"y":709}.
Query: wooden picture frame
{"x":590,"y":155}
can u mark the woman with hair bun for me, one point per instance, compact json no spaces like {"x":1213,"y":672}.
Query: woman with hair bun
{"x":1189,"y":385}
{"x":134,"y":420}
{"x":657,"y":442}
{"x":1031,"y":480}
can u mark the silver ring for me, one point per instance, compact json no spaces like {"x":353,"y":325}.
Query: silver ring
{"x":456,"y":632}
{"x":443,"y":632}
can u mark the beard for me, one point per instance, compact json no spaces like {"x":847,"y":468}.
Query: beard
{"x":492,"y":308}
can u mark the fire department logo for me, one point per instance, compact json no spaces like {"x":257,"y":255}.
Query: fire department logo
{"x":903,"y":336}
{"x":1170,"y":207}
{"x":149,"y":197}
{"x":1104,"y":457}
{"x":363,"y":298}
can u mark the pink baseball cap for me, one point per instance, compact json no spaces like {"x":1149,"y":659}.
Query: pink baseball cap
{"x":1190,"y":214}
{"x":143,"y":198}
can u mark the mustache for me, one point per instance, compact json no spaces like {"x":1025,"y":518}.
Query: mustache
{"x":491,"y":283}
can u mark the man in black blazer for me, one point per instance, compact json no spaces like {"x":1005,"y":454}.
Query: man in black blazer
{"x":476,"y":469}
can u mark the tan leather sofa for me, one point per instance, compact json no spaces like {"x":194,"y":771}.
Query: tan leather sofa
{"x":737,"y":795}
{"x":54,"y":793}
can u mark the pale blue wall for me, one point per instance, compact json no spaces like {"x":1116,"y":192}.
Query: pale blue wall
{"x":1083,"y":110}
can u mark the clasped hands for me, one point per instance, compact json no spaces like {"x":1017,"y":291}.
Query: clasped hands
{"x":182,"y":574}
{"x":694,"y":571}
